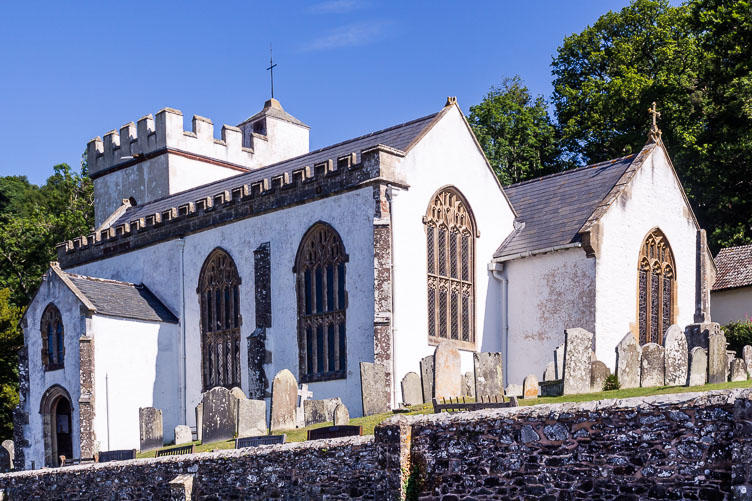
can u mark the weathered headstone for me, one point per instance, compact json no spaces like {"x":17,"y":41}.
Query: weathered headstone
{"x":676,"y":355}
{"x":447,"y":379}
{"x":284,"y":400}
{"x":320,"y":411}
{"x":628,"y":362}
{"x":220,"y":408}
{"x":10,"y":447}
{"x":553,"y":388}
{"x":303,"y":394}
{"x":598,"y":374}
{"x":699,"y":334}
{"x":150,"y":425}
{"x":341,"y":415}
{"x":652,"y":365}
{"x":468,"y":385}
{"x":730,"y":356}
{"x":738,"y":370}
{"x":747,"y":354}
{"x":717,"y":359}
{"x":373,"y":389}
{"x":489,"y":375}
{"x":183,"y":435}
{"x":513,"y":390}
{"x":412,"y":393}
{"x":698,"y":368}
{"x":577,"y":359}
{"x":199,"y":421}
{"x":251,"y":418}
{"x":530,"y":387}
{"x":426,"y":377}
{"x":550,"y":373}
{"x":559,"y":361}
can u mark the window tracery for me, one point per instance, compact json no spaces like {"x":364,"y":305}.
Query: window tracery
{"x":656,"y":288}
{"x":53,"y":342}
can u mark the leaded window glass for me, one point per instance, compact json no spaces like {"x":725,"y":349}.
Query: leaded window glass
{"x":53,"y":342}
{"x":656,"y":288}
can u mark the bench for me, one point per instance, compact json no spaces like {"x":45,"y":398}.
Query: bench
{"x":71,"y":462}
{"x":485,"y":403}
{"x":177,"y":451}
{"x":334,"y":432}
{"x":118,"y":455}
{"x":240,"y":443}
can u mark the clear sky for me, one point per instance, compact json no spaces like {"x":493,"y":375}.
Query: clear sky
{"x":72,"y":71}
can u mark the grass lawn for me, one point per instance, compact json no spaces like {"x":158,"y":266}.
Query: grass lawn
{"x":370,"y":422}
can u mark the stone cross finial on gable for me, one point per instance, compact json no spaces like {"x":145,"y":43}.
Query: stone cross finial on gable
{"x":303,"y":395}
{"x":655,"y":132}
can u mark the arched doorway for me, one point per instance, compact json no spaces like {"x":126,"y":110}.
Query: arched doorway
{"x":57,"y":412}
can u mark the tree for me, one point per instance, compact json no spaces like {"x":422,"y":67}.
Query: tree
{"x":11,"y":340}
{"x":516,"y":132}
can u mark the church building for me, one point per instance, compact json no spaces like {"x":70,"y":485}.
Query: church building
{"x":220,"y":262}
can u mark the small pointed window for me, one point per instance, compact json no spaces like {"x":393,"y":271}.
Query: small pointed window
{"x":53,"y":342}
{"x":656,"y":284}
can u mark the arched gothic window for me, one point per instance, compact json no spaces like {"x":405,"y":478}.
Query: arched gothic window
{"x":322,"y":303}
{"x":450,"y":251}
{"x":53,"y":345}
{"x":656,"y":288}
{"x":219,"y":297}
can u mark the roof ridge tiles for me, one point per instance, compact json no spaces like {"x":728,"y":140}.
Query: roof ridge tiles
{"x":570,"y":171}
{"x":103,"y":280}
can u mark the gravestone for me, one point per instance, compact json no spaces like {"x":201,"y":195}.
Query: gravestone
{"x":747,"y":354}
{"x":5,"y":460}
{"x":412,"y":393}
{"x":738,"y":370}
{"x":150,"y":425}
{"x":220,"y":408}
{"x":284,"y":400}
{"x":730,"y":356}
{"x":303,"y":395}
{"x":447,"y":380}
{"x":698,"y":368}
{"x":628,"y":362}
{"x":373,"y":389}
{"x":598,"y":374}
{"x":183,"y":435}
{"x":251,"y":418}
{"x":468,"y":385}
{"x":717,"y":359}
{"x":652,"y":365}
{"x":530,"y":387}
{"x":426,"y":377}
{"x":341,"y":415}
{"x":677,"y":357}
{"x":550,"y":373}
{"x":577,"y":359}
{"x":559,"y":361}
{"x":199,"y":420}
{"x":320,"y":411}
{"x":10,"y":447}
{"x":699,"y":334}
{"x":489,"y":375}
{"x":237,"y":392}
{"x":513,"y":390}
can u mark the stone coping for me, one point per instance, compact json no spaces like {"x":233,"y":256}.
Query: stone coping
{"x":333,"y":443}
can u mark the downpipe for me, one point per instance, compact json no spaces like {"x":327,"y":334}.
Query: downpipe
{"x":498,"y":272}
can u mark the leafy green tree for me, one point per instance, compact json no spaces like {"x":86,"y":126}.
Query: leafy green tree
{"x":11,"y":340}
{"x":18,"y":196}
{"x":516,"y":132}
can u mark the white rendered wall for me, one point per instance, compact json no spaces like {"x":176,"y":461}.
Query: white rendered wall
{"x":158,"y":267}
{"x":731,"y":305}
{"x":136,"y":366}
{"x":446,"y":155}
{"x":547,"y":294}
{"x":52,"y":290}
{"x":652,"y":199}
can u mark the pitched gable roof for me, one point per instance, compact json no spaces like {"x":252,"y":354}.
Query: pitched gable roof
{"x":734,"y":267}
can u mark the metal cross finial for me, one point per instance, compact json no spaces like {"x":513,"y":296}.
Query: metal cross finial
{"x":655,"y":132}
{"x":271,"y":67}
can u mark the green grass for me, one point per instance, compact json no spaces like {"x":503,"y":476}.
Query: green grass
{"x":369,"y":423}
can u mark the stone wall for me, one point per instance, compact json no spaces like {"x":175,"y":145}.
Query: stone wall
{"x":692,"y":445}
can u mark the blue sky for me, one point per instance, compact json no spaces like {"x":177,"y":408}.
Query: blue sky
{"x":72,"y":71}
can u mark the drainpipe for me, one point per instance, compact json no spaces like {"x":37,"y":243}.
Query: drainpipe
{"x":497,"y":271}
{"x":181,"y":344}
{"x":390,"y":194}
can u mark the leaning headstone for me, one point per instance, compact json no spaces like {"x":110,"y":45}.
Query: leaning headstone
{"x":747,"y":354}
{"x":183,"y":435}
{"x":8,"y":446}
{"x":652,"y":365}
{"x":426,"y":377}
{"x":677,"y":358}
{"x":513,"y":390}
{"x":284,"y":400}
{"x":717,"y":359}
{"x":738,"y":370}
{"x":220,"y":408}
{"x":559,"y":361}
{"x":251,"y":418}
{"x":577,"y":360}
{"x":628,"y":362}
{"x":489,"y":375}
{"x":320,"y":411}
{"x":341,"y":415}
{"x":373,"y":389}
{"x":412,"y":393}
{"x":698,"y":366}
{"x":199,"y":420}
{"x":468,"y":385}
{"x":447,"y":380}
{"x":150,"y":425}
{"x":530,"y":387}
{"x":550,"y":373}
{"x":5,"y":460}
{"x":598,"y":374}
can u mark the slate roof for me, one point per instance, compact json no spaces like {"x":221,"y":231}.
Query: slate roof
{"x":554,"y":208}
{"x":122,"y":299}
{"x":398,"y":137}
{"x":272,"y":108}
{"x":734,"y":267}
